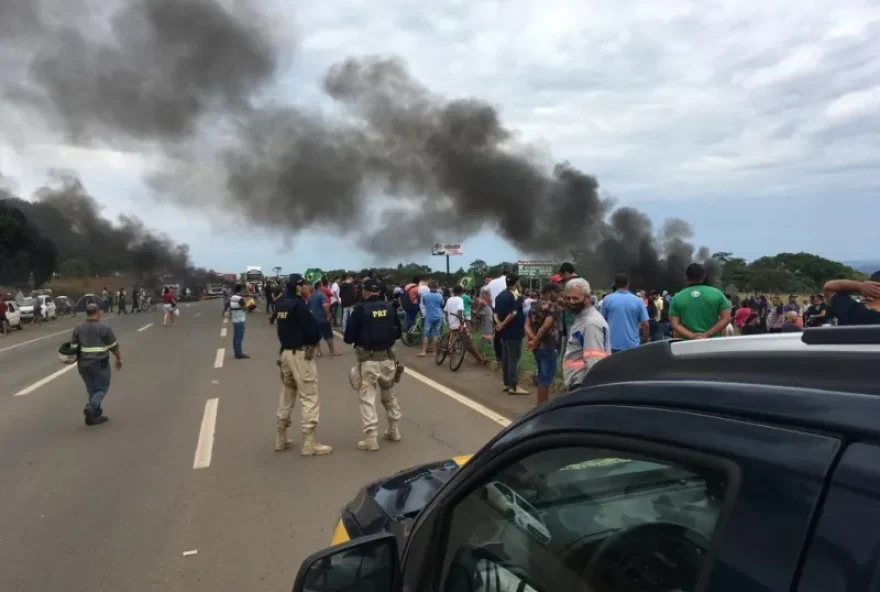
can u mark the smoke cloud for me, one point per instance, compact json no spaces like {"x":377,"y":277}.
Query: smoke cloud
{"x":402,"y":169}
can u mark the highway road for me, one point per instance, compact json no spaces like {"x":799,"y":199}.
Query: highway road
{"x":186,"y":462}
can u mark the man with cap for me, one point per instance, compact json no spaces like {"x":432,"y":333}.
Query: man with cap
{"x":95,"y":341}
{"x":299,"y":335}
{"x":372,"y":328}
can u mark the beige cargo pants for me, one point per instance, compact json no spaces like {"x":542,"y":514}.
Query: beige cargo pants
{"x":298,"y":377}
{"x":371,"y":374}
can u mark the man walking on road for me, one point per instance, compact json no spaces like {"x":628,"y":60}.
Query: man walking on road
{"x":299,"y":336}
{"x":373,"y":328}
{"x":95,"y":341}
{"x":238,"y":311}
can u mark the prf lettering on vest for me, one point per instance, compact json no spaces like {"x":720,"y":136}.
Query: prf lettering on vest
{"x":380,"y":313}
{"x":282,"y":314}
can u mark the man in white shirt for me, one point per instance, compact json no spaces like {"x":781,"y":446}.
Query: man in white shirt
{"x":423,"y":289}
{"x":454,"y":317}
{"x":334,"y":302}
{"x":496,"y":287}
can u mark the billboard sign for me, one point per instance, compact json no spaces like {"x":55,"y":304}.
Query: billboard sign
{"x":447,"y":249}
{"x":536,"y":269}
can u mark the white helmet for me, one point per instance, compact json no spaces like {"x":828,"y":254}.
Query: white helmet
{"x":67,"y":353}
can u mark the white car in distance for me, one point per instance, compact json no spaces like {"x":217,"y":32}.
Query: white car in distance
{"x":13,"y":315}
{"x":48,"y":310}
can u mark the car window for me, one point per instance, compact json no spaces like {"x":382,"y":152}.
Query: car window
{"x":27,"y":302}
{"x":582,"y":518}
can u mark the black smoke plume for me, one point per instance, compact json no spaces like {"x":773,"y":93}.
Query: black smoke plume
{"x":404,"y":169}
{"x":70,"y":218}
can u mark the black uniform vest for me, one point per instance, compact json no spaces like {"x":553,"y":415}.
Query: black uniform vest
{"x":378,"y":329}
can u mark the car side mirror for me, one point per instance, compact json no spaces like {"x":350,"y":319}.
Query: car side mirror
{"x":368,"y":564}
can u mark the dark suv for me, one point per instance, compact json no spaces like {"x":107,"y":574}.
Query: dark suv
{"x":738,"y":464}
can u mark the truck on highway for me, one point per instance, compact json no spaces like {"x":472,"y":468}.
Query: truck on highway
{"x":742,"y":464}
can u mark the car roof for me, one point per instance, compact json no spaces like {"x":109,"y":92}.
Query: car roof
{"x":826,"y":378}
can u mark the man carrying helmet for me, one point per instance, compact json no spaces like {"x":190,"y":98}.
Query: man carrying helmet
{"x":90,"y":346}
{"x":372,"y":328}
{"x":299,"y":335}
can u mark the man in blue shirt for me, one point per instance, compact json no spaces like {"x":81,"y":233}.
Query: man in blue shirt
{"x":319,"y":305}
{"x":510,"y":323}
{"x":432,"y":303}
{"x":627,"y":316}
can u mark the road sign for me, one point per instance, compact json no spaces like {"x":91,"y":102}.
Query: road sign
{"x":535,"y":269}
{"x":447,"y":249}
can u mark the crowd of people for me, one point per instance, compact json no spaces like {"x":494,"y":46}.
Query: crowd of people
{"x":567,"y":325}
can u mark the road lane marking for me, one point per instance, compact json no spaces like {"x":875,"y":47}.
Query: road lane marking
{"x":198,"y":314}
{"x":205,"y":447}
{"x":145,"y":327}
{"x":218,"y":359}
{"x":470,"y":403}
{"x":225,"y":321}
{"x":456,"y":396}
{"x":223,"y":332}
{"x":48,"y":379}
{"x":36,"y":340}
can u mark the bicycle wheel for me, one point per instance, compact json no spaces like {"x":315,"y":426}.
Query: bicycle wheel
{"x":442,"y":349}
{"x":456,"y":356}
{"x":413,"y":335}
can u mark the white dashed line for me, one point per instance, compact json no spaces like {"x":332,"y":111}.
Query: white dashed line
{"x":35,"y":340}
{"x":48,"y":379}
{"x":456,"y":396}
{"x":225,"y":321}
{"x":205,"y":446}
{"x":145,"y":327}
{"x":223,"y":332}
{"x":218,"y":359}
{"x":198,"y":314}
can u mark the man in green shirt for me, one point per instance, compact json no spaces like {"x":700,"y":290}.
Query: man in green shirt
{"x":699,"y":311}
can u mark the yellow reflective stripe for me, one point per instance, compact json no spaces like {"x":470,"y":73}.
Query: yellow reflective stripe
{"x":94,"y":350}
{"x":462,"y":460}
{"x":112,"y":345}
{"x":340,"y":535}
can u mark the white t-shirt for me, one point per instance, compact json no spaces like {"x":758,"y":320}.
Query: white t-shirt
{"x":454,"y":305}
{"x":497,"y":286}
{"x":423,"y":289}
{"x":334,"y":289}
{"x":527,"y":305}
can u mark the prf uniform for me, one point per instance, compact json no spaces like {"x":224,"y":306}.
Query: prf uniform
{"x":298,"y":334}
{"x":372,"y":328}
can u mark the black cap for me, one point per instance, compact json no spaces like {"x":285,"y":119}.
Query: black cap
{"x":371,"y":285}
{"x":294,"y":280}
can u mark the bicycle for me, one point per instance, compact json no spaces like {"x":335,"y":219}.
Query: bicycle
{"x":452,"y":344}
{"x":413,"y":336}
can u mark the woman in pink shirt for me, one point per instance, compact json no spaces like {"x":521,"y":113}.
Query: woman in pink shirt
{"x":742,"y":315}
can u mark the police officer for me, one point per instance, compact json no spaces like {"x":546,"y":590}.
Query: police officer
{"x":299,"y":335}
{"x":372,"y":328}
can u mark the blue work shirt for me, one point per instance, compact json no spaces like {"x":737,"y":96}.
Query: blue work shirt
{"x":316,"y":305}
{"x":624,"y":311}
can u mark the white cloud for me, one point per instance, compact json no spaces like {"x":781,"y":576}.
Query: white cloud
{"x":698,"y":99}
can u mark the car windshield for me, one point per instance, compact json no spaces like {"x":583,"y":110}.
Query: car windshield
{"x":27,"y":302}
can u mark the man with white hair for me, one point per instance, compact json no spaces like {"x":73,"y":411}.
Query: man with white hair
{"x":588,"y":338}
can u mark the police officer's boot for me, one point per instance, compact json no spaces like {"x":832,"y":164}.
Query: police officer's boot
{"x":392,"y":432}
{"x":369,"y":443}
{"x":311,"y":447}
{"x":282,"y":442}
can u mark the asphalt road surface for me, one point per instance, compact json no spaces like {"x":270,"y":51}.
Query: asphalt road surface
{"x":186,"y":462}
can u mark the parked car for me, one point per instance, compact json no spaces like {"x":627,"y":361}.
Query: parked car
{"x":47,"y":308}
{"x":743,"y":463}
{"x":13,"y":314}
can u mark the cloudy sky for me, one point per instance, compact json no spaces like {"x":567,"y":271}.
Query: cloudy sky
{"x":758,"y":122}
